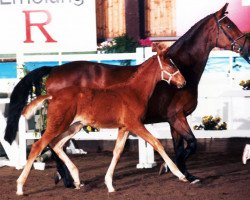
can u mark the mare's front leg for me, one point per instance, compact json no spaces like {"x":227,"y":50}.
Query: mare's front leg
{"x":57,"y":146}
{"x":181,"y":131}
{"x":140,"y":130}
{"x":119,"y":146}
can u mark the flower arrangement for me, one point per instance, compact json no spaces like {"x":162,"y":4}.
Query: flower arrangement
{"x":145,"y":42}
{"x":88,"y":129}
{"x":211,"y":123}
{"x":245,"y":84}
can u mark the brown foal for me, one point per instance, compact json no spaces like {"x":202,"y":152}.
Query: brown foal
{"x":123,"y":105}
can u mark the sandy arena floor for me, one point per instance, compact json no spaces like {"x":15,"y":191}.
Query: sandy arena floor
{"x":217,"y":162}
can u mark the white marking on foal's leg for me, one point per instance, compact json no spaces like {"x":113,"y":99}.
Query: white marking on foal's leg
{"x":119,"y":146}
{"x":108,"y":183}
{"x":19,"y":190}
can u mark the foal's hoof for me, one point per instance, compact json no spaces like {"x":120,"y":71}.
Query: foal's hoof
{"x":163,"y":169}
{"x":19,"y":190}
{"x":19,"y":193}
{"x":78,"y":186}
{"x":111,"y":190}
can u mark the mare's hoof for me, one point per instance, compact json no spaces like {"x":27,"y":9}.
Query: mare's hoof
{"x":163,"y":169}
{"x":57,"y":178}
{"x":193,"y":179}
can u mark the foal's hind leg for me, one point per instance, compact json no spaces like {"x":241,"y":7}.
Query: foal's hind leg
{"x":119,"y":146}
{"x":36,"y":149}
{"x":56,"y":124}
{"x":140,"y":130}
{"x":57,"y":145}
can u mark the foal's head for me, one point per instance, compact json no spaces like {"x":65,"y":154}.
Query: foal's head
{"x":169,"y":72}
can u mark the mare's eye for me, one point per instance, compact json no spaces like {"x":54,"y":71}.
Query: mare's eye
{"x":228,"y":26}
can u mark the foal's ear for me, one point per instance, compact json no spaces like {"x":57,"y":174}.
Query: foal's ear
{"x":154,"y":46}
{"x":222,"y":11}
{"x":160,"y":48}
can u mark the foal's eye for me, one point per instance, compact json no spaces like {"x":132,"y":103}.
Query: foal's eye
{"x":228,"y":26}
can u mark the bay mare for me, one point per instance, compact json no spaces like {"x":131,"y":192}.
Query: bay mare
{"x":167,"y":104}
{"x":120,"y":106}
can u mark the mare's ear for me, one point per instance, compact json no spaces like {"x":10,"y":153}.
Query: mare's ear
{"x":222,"y":11}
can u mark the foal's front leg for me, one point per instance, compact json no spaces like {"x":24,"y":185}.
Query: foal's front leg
{"x":57,"y":145}
{"x":119,"y":146}
{"x":140,"y":130}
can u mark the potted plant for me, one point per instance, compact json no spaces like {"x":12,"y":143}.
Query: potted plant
{"x":211,"y":123}
{"x":245,"y":84}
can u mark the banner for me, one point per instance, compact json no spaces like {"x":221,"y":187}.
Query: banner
{"x":35,"y":26}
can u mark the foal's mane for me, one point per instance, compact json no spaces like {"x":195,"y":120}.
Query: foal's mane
{"x":138,"y":71}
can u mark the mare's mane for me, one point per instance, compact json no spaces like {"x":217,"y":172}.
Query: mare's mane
{"x":191,"y":33}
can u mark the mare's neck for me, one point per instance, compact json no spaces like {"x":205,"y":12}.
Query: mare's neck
{"x":191,"y":54}
{"x":144,"y":80}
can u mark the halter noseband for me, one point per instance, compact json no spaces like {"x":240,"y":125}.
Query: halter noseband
{"x":234,"y":43}
{"x":163,"y":71}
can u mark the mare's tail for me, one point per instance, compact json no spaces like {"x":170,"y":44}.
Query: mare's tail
{"x":18,"y":100}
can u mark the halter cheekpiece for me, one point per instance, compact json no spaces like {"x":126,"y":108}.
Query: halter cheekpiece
{"x":163,"y":71}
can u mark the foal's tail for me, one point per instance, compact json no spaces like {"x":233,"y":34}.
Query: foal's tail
{"x":18,"y":100}
{"x":31,"y":108}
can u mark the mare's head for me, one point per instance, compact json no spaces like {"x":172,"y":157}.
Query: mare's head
{"x":229,"y":36}
{"x":169,"y":72}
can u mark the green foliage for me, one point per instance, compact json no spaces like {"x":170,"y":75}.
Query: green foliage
{"x":211,"y":123}
{"x":122,"y":44}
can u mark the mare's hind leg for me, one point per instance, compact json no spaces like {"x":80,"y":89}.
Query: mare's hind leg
{"x":119,"y":146}
{"x":140,"y":130}
{"x":57,"y":145}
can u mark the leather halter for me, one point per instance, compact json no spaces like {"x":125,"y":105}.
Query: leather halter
{"x":163,"y":71}
{"x":235,"y":46}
